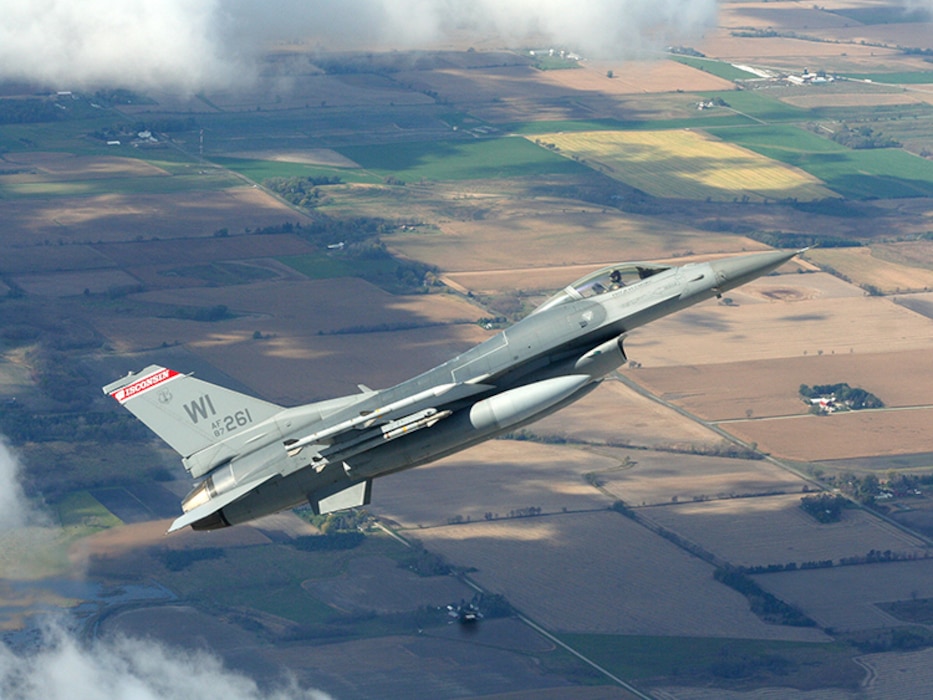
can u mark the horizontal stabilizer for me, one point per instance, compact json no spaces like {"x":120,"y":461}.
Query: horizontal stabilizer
{"x":216,"y":503}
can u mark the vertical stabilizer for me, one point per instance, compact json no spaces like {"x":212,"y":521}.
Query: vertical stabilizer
{"x":187,"y":413}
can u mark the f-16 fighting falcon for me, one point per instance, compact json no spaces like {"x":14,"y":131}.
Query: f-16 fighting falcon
{"x":252,"y":458}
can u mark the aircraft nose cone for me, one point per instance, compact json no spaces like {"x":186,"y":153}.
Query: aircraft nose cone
{"x":732,"y":272}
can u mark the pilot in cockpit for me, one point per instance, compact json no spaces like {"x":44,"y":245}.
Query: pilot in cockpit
{"x":615,"y":280}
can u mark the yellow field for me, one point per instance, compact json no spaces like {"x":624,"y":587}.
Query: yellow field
{"x":686,"y":164}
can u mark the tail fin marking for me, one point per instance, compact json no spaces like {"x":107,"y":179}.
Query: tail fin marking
{"x":187,"y":413}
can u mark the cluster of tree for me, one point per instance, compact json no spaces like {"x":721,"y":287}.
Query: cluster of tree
{"x":892,"y":639}
{"x":382,"y":327}
{"x":425,"y":563}
{"x":352,"y":520}
{"x":166,"y":125}
{"x":286,"y":227}
{"x":203,"y":314}
{"x":329,"y":542}
{"x":853,"y":398}
{"x":29,"y":111}
{"x":825,"y":507}
{"x":685,"y":51}
{"x":380,"y":64}
{"x":783,"y":239}
{"x":757,"y":33}
{"x":57,"y":376}
{"x":407,"y":277}
{"x":489,"y":322}
{"x":119,"y":96}
{"x":790,"y":566}
{"x":301,"y":191}
{"x":325,"y":229}
{"x":21,"y":426}
{"x":620,"y":507}
{"x":180,"y":559}
{"x":862,"y":137}
{"x":863,"y":489}
{"x":901,"y":484}
{"x":765,"y":605}
{"x":746,"y":665}
{"x":492,"y":605}
{"x":877,"y":556}
{"x":528,"y":512}
{"x":839,"y":208}
{"x":873,"y":556}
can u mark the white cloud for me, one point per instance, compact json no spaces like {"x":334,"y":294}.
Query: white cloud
{"x":15,"y":509}
{"x":922,"y":5}
{"x":127,"y":669}
{"x":127,"y":42}
{"x":192,"y":44}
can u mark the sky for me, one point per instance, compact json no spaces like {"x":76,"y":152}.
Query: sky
{"x":189,"y":45}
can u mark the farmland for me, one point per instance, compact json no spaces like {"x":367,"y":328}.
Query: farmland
{"x":774,"y":530}
{"x":873,"y":272}
{"x":498,"y":183}
{"x":612,"y":596}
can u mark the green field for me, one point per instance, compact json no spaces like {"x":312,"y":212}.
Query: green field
{"x":856,"y":174}
{"x":68,"y":136}
{"x":720,"y":69}
{"x":460,"y":160}
{"x":82,"y":509}
{"x":423,"y":160}
{"x":758,"y":107}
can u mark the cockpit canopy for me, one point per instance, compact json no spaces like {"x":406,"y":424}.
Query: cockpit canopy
{"x":604,"y":280}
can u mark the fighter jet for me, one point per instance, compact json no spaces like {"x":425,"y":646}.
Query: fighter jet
{"x":251,"y":458}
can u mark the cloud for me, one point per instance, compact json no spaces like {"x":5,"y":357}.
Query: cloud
{"x":188,"y":45}
{"x":15,"y":509}
{"x":921,"y":5}
{"x":103,"y":42}
{"x":127,"y":669}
